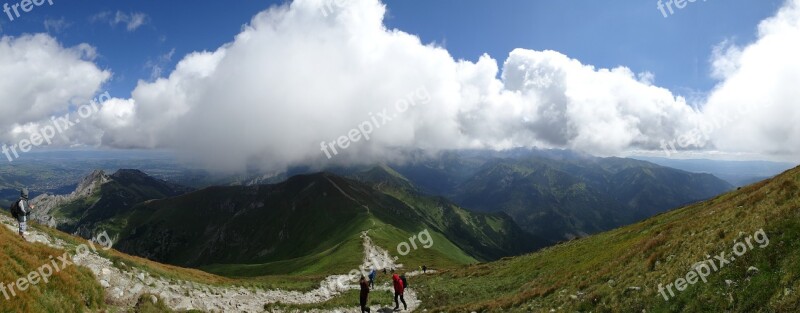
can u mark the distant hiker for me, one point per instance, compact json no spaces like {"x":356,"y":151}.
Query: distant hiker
{"x":372,"y":278}
{"x":364,"y":294}
{"x":424,"y":269}
{"x":384,"y":271}
{"x":399,"y":288}
{"x":20,"y":211}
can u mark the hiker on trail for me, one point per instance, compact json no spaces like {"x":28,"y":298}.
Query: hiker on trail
{"x":364,"y":294}
{"x":399,"y":288}
{"x":20,"y":211}
{"x":424,"y":269}
{"x":372,"y":278}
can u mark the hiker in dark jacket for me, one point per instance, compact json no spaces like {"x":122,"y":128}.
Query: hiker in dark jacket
{"x":20,"y":210}
{"x":399,"y":288}
{"x":364,"y":294}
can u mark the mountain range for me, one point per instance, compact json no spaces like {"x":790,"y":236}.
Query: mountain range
{"x":305,"y":225}
{"x":311,"y":223}
{"x":559,"y":195}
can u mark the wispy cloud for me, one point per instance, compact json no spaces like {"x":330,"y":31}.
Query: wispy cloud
{"x":132,"y":21}
{"x":156,"y":67}
{"x":56,"y":25}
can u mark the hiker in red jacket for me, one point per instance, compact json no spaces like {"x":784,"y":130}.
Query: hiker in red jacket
{"x":399,"y":288}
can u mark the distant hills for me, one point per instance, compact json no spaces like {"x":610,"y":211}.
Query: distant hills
{"x":738,"y":173}
{"x":560,"y":195}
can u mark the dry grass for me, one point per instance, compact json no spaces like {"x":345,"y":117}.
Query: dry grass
{"x":72,"y":290}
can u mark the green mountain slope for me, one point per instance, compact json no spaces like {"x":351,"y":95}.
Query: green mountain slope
{"x":621,"y":270}
{"x":489,"y":236}
{"x":310,"y":224}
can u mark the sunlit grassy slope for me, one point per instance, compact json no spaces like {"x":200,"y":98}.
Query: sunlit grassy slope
{"x":620,"y":270}
{"x":72,"y":290}
{"x":349,"y":255}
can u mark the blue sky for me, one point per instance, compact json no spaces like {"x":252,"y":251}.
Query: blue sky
{"x":600,"y":33}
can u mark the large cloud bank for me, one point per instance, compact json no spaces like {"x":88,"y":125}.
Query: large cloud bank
{"x":311,"y":71}
{"x":40,"y":78}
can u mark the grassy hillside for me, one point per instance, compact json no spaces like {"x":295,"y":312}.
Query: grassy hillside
{"x":250,"y":225}
{"x":71,"y":290}
{"x":308,"y":225}
{"x":620,"y":270}
{"x":487,"y":236}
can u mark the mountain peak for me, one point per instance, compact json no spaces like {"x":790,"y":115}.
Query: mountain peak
{"x":91,"y":181}
{"x":384,"y":176}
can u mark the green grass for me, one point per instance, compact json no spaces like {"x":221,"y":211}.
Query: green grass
{"x":443,"y":253}
{"x":595,"y":273}
{"x":349,"y":255}
{"x":339,"y":259}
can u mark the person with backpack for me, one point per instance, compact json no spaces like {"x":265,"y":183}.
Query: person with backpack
{"x":20,"y":210}
{"x":372,"y":278}
{"x":364,"y":294}
{"x":399,"y":288}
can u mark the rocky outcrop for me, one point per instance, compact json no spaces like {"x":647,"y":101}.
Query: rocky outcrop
{"x":45,"y":204}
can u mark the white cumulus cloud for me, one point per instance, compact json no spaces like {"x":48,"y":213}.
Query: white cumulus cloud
{"x":304,"y":73}
{"x":39,"y":78}
{"x":757,"y":102}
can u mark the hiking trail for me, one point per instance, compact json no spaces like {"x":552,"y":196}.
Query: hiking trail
{"x":124,"y":287}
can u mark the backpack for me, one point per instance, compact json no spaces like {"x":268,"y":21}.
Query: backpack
{"x":15,"y":211}
{"x":405,"y":282}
